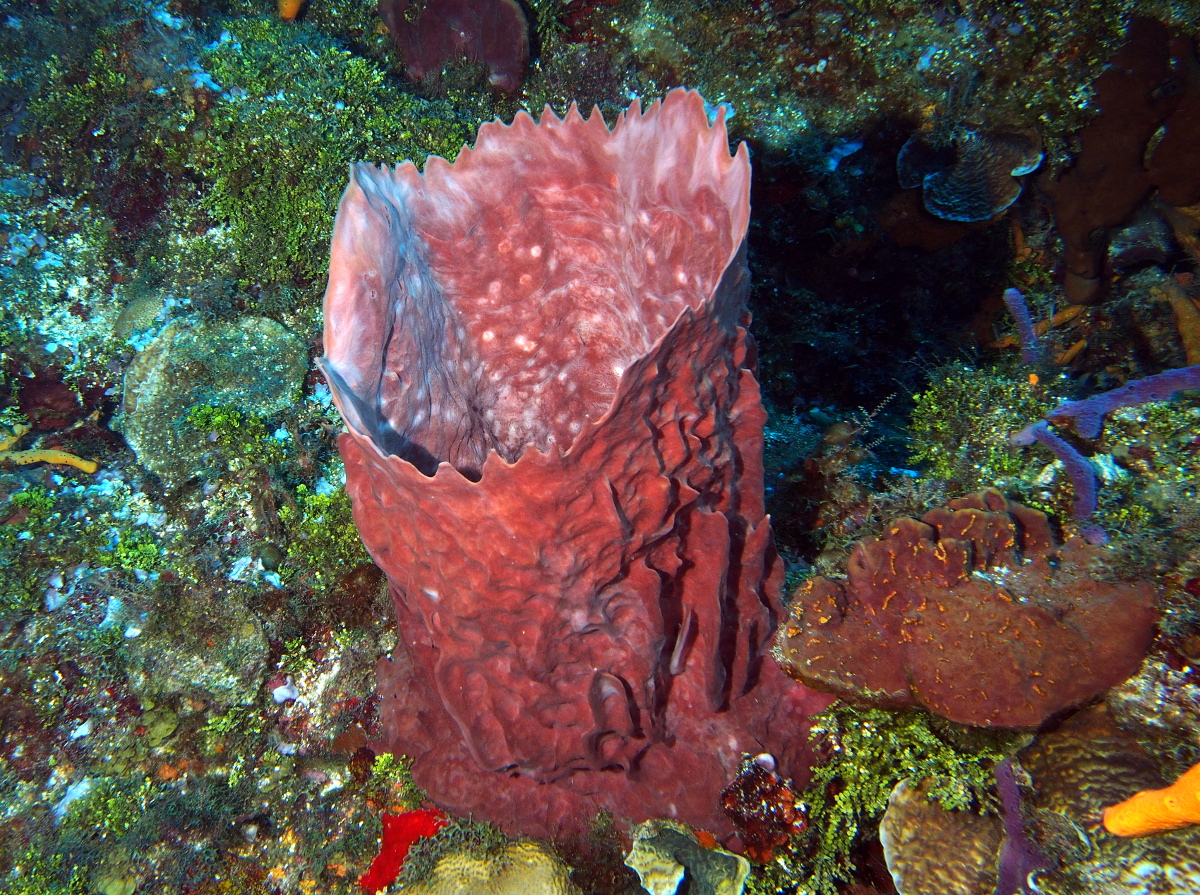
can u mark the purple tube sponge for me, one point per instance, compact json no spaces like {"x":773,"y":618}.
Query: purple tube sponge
{"x":1083,"y":476}
{"x":1088,"y":417}
{"x":1088,"y":414}
{"x":1015,"y":302}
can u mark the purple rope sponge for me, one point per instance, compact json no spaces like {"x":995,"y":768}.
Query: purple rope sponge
{"x":1089,"y":413}
{"x":1083,"y":475}
{"x":1015,"y":301}
{"x":1088,"y":416}
{"x":1019,"y":857}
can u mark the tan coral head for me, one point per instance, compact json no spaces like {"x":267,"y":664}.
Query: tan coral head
{"x":1157,"y":810}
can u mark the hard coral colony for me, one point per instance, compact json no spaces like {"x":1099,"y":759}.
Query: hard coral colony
{"x":533,"y":451}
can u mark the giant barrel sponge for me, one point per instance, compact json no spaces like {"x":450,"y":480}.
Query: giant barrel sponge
{"x":554,"y":450}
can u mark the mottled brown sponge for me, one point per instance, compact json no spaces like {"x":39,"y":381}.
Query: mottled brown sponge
{"x":974,"y":613}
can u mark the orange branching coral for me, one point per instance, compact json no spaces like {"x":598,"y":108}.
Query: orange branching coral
{"x":1157,"y":810}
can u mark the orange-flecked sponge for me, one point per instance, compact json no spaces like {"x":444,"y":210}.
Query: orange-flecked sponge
{"x":1157,"y":810}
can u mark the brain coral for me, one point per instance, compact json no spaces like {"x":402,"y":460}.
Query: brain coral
{"x":974,"y":613}
{"x":918,"y":834}
{"x":522,"y":868}
{"x":554,"y":451}
{"x":1080,"y":769}
{"x":253,"y":364}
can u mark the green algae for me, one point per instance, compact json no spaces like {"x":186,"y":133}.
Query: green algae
{"x":37,"y":503}
{"x":138,"y":551}
{"x":238,"y":719}
{"x":242,"y":436}
{"x":276,"y":158}
{"x":86,"y":120}
{"x":962,"y":421}
{"x":37,"y":873}
{"x":23,"y":548}
{"x":871,"y":750}
{"x":353,"y":22}
{"x":256,"y":141}
{"x":323,"y":539}
{"x":297,"y":657}
{"x":76,"y":527}
{"x":392,"y":780}
{"x":112,"y":807}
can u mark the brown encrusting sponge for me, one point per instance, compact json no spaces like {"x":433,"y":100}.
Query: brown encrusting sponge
{"x":1151,"y":88}
{"x":436,"y":32}
{"x":975,"y":613}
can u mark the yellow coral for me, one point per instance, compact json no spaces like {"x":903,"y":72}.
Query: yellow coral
{"x":9,"y":440}
{"x":1157,"y":810}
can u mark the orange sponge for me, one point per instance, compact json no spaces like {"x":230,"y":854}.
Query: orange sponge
{"x":62,"y":458}
{"x":1157,"y":810}
{"x":289,"y":9}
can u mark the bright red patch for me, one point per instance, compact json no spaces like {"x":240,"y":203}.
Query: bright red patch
{"x":400,"y":831}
